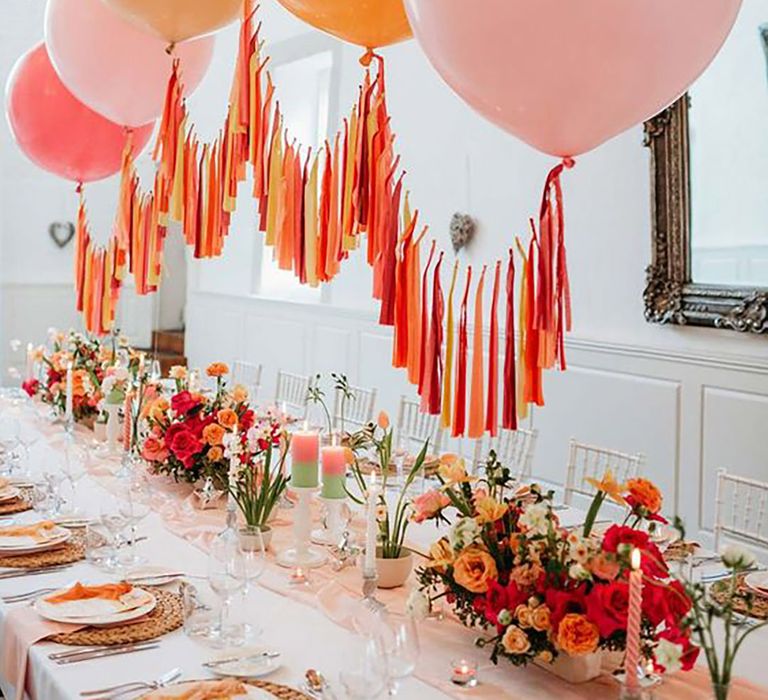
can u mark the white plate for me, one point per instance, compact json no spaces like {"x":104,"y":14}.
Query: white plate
{"x":243,"y":667}
{"x":180,"y":688}
{"x":9,"y":493}
{"x":10,"y":546}
{"x":758,"y":582}
{"x":57,"y":612}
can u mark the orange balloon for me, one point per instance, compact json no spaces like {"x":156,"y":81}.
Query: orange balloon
{"x":368,"y":23}
{"x":177,"y":20}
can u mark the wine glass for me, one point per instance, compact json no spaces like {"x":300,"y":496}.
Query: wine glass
{"x":134,"y":505}
{"x":398,"y":642}
{"x":9,"y":440}
{"x":115,"y":522}
{"x":366,"y":676}
{"x":226,"y":576}
{"x":254,"y":562}
{"x":74,"y":459}
{"x":28,"y":437}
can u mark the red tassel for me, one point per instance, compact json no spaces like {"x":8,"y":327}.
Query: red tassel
{"x":389,"y":260}
{"x":509,"y":409}
{"x":491,"y":409}
{"x":431,"y":401}
{"x":460,"y":396}
{"x":424,"y":312}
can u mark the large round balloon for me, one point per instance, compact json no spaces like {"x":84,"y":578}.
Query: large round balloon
{"x":177,"y":20}
{"x":58,"y":132}
{"x":369,"y":23}
{"x":566,"y":76}
{"x":113,"y":66}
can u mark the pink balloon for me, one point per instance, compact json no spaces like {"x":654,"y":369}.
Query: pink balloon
{"x":55,"y":130}
{"x":116,"y":69}
{"x":565,"y":76}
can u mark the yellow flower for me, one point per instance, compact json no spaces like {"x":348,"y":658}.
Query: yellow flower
{"x":239,"y":394}
{"x":524,"y":616}
{"x":541,"y":618}
{"x":609,"y":486}
{"x":440,"y":555}
{"x":158,"y":409}
{"x":515,"y":641}
{"x":474,"y":568}
{"x":489,"y":510}
{"x":178,"y":372}
{"x":217,"y":369}
{"x":452,"y":470}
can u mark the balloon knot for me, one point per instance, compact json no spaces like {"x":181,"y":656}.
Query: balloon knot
{"x":79,"y":188}
{"x":170,"y":48}
{"x":568,"y":162}
{"x":367,"y":57}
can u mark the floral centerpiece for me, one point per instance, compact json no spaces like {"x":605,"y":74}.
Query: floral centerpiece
{"x":184,"y":435}
{"x":90,"y":359}
{"x":539,"y":591}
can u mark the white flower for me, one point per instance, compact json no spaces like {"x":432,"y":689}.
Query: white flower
{"x":535,"y":518}
{"x":736,"y":557}
{"x":668,"y":655}
{"x":465,"y":531}
{"x":232,"y":445}
{"x":417,"y":605}
{"x":578,"y":572}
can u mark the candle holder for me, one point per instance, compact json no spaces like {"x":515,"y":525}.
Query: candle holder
{"x":333,"y":524}
{"x":464,"y":673}
{"x":302,"y":555}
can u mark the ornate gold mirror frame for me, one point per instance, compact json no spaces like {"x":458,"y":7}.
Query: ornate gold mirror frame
{"x":670,"y":295}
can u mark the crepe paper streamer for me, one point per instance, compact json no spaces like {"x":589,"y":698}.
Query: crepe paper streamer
{"x":445,"y":417}
{"x":509,"y":406}
{"x":423,"y":327}
{"x":476,"y":425}
{"x":491,"y":410}
{"x":532,"y":391}
{"x":460,"y":397}
{"x":389,"y":259}
{"x":522,"y":369}
{"x":401,"y":291}
{"x":430,"y":399}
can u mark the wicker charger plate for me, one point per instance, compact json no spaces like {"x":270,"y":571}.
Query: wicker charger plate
{"x":17,"y":505}
{"x":71,"y":551}
{"x":745,"y":601}
{"x":168,"y":615}
{"x":279,"y":691}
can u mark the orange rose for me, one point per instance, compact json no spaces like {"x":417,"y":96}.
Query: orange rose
{"x":79,"y":378}
{"x":540,"y":618}
{"x":524,"y":616}
{"x":217,"y":369}
{"x":213,"y":434}
{"x":215,"y":454}
{"x":604,"y":566}
{"x":227,"y":418}
{"x":576,"y":635}
{"x":239,"y":394}
{"x":474,"y":568}
{"x":515,"y":641}
{"x":645,"y":494}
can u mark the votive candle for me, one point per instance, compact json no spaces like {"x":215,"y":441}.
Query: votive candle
{"x":305,"y":447}
{"x":334,"y":462}
{"x":634,"y":615}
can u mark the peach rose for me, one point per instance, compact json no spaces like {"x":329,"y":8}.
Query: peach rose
{"x":524,"y":616}
{"x":541,"y":618}
{"x":604,"y":566}
{"x":428,"y":505}
{"x":213,"y":434}
{"x":645,"y":494}
{"x":526,"y":574}
{"x":515,"y":641}
{"x":217,"y":369}
{"x":239,"y":394}
{"x":576,"y":635}
{"x":178,"y":372}
{"x":154,"y":450}
{"x":474,"y":568}
{"x":215,"y":454}
{"x":227,"y":418}
{"x":545,"y":656}
{"x":440,"y":555}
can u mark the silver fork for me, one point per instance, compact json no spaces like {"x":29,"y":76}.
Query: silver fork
{"x":29,"y":595}
{"x":125,"y":688}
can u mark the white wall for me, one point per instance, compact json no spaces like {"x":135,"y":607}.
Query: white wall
{"x":691,"y":399}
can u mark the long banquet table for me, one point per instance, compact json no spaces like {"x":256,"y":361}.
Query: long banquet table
{"x":311,"y":627}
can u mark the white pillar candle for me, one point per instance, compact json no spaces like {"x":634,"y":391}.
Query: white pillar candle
{"x":369,"y":563}
{"x":68,"y":405}
{"x":30,"y":361}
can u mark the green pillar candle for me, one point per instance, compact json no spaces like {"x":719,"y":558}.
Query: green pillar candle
{"x":305,"y":446}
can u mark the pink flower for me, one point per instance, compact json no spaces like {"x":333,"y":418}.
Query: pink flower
{"x":428,"y":505}
{"x":154,"y":450}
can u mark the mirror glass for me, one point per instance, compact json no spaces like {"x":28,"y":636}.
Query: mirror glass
{"x":729,"y":158}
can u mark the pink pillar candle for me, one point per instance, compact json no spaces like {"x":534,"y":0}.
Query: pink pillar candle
{"x":634,"y":617}
{"x":334,"y":461}
{"x":305,"y":447}
{"x":127,"y":422}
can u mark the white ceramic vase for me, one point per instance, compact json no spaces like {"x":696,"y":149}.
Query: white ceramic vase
{"x":393,"y":572}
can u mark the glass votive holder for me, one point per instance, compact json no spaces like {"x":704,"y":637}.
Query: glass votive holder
{"x":464,"y":673}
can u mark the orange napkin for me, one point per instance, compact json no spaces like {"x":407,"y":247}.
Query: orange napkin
{"x":208,"y":690}
{"x":37,"y":531}
{"x":107,"y":591}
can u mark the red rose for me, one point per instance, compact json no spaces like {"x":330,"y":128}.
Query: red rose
{"x":617,"y":535}
{"x":185,"y":446}
{"x":678,"y":602}
{"x":31,"y":386}
{"x":196,"y":424}
{"x":607,"y":606}
{"x":655,"y":603}
{"x":183,"y":402}
{"x":499,"y":598}
{"x":562,"y":602}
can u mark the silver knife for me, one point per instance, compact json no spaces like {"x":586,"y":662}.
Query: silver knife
{"x":106,"y":652}
{"x":95,"y":647}
{"x":33,"y":572}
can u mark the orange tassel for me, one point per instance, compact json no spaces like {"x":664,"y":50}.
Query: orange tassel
{"x":476,"y":421}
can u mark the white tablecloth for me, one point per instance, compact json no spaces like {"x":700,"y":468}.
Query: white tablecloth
{"x":306,"y":637}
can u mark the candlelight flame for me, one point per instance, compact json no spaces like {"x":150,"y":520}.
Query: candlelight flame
{"x":635,"y":559}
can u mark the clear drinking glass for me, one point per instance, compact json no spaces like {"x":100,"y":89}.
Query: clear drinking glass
{"x":9,"y":440}
{"x":226,"y":576}
{"x":254,"y":563}
{"x":115,"y":523}
{"x":398,"y":641}
{"x":135,"y":504}
{"x":366,"y":675}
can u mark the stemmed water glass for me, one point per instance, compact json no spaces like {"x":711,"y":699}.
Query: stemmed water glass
{"x":134,"y":505}
{"x":254,"y":562}
{"x":115,"y":522}
{"x":28,"y":436}
{"x":366,"y":676}
{"x":74,"y":459}
{"x":9,"y":440}
{"x":398,"y":642}
{"x":226,"y":576}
